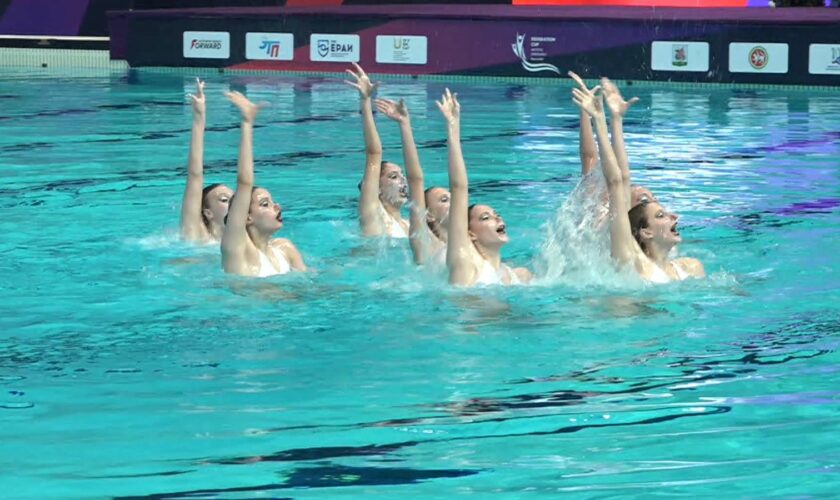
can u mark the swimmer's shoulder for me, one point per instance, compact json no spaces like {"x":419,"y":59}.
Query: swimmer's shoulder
{"x":691,"y":266}
{"x":283,"y":244}
{"x":524,"y":274}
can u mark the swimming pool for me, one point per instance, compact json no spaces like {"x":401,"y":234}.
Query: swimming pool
{"x":131,"y":366}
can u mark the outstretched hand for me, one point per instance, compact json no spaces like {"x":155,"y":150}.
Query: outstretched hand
{"x":247,"y":108}
{"x":574,"y":76}
{"x":198,"y":101}
{"x":393,"y":110}
{"x":616,"y":103}
{"x":450,"y":107}
{"x":363,"y":84}
{"x":589,"y":100}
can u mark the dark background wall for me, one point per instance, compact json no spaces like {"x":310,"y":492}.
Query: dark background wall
{"x":88,"y":17}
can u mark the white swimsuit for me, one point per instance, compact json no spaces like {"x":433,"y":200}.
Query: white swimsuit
{"x":268,"y":269}
{"x":660,"y":276}
{"x":439,"y":257}
{"x":393,"y":227}
{"x":487,"y":275}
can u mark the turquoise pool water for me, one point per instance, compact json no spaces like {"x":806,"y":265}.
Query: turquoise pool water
{"x":131,"y":366}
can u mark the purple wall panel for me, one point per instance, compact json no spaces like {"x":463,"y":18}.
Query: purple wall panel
{"x":43,"y":17}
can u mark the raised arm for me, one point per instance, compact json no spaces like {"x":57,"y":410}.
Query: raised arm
{"x":192,"y":224}
{"x":235,"y":238}
{"x":369,"y":204}
{"x":622,"y":244}
{"x":418,"y":228}
{"x":586,"y":144}
{"x":459,"y":247}
{"x":618,"y":107}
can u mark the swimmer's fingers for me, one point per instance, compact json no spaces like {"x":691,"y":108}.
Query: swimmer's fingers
{"x":355,"y":75}
{"x":199,"y":88}
{"x":574,"y":76}
{"x":360,"y":72}
{"x":387,"y":107}
{"x":632,"y":101}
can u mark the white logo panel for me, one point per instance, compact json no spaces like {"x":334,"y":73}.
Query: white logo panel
{"x":206,"y":45}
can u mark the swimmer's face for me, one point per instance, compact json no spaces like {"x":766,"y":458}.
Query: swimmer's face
{"x":265,"y":215}
{"x":437,"y":205}
{"x":392,"y":186}
{"x":487,"y":227}
{"x":216,"y":204}
{"x":662,"y":226}
{"x":639,"y":194}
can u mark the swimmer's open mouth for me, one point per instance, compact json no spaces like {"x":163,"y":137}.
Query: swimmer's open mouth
{"x":674,"y":229}
{"x":404,"y":190}
{"x":501,"y":229}
{"x":279,"y":217}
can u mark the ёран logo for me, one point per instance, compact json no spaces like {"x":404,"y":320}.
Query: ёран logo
{"x":323,"y":48}
{"x":330,"y":47}
{"x":271,"y":48}
{"x":758,"y":57}
{"x":327,"y":47}
{"x":206,"y":44}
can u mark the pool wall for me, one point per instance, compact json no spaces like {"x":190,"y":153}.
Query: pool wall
{"x":727,"y":45}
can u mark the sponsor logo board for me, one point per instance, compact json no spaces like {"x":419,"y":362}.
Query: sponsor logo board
{"x":758,"y":57}
{"x":679,"y":56}
{"x":270,"y":46}
{"x":334,"y":48}
{"x":398,"y":49}
{"x":824,"y":59}
{"x":206,"y":45}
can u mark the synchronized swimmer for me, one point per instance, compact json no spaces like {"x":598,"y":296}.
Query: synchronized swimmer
{"x":443,"y":229}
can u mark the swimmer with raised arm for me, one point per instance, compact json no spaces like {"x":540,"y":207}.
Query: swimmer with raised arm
{"x":644,"y":236}
{"x":383,"y":188}
{"x":248,"y":248}
{"x":589,"y":153}
{"x":476,"y":233}
{"x":203,"y":209}
{"x":429,"y":208}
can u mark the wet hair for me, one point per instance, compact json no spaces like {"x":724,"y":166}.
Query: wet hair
{"x":426,"y":199}
{"x":469,"y":212}
{"x":381,"y":166}
{"x":641,"y":202}
{"x":638,"y":221}
{"x":230,"y":203}
{"x":204,"y":192}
